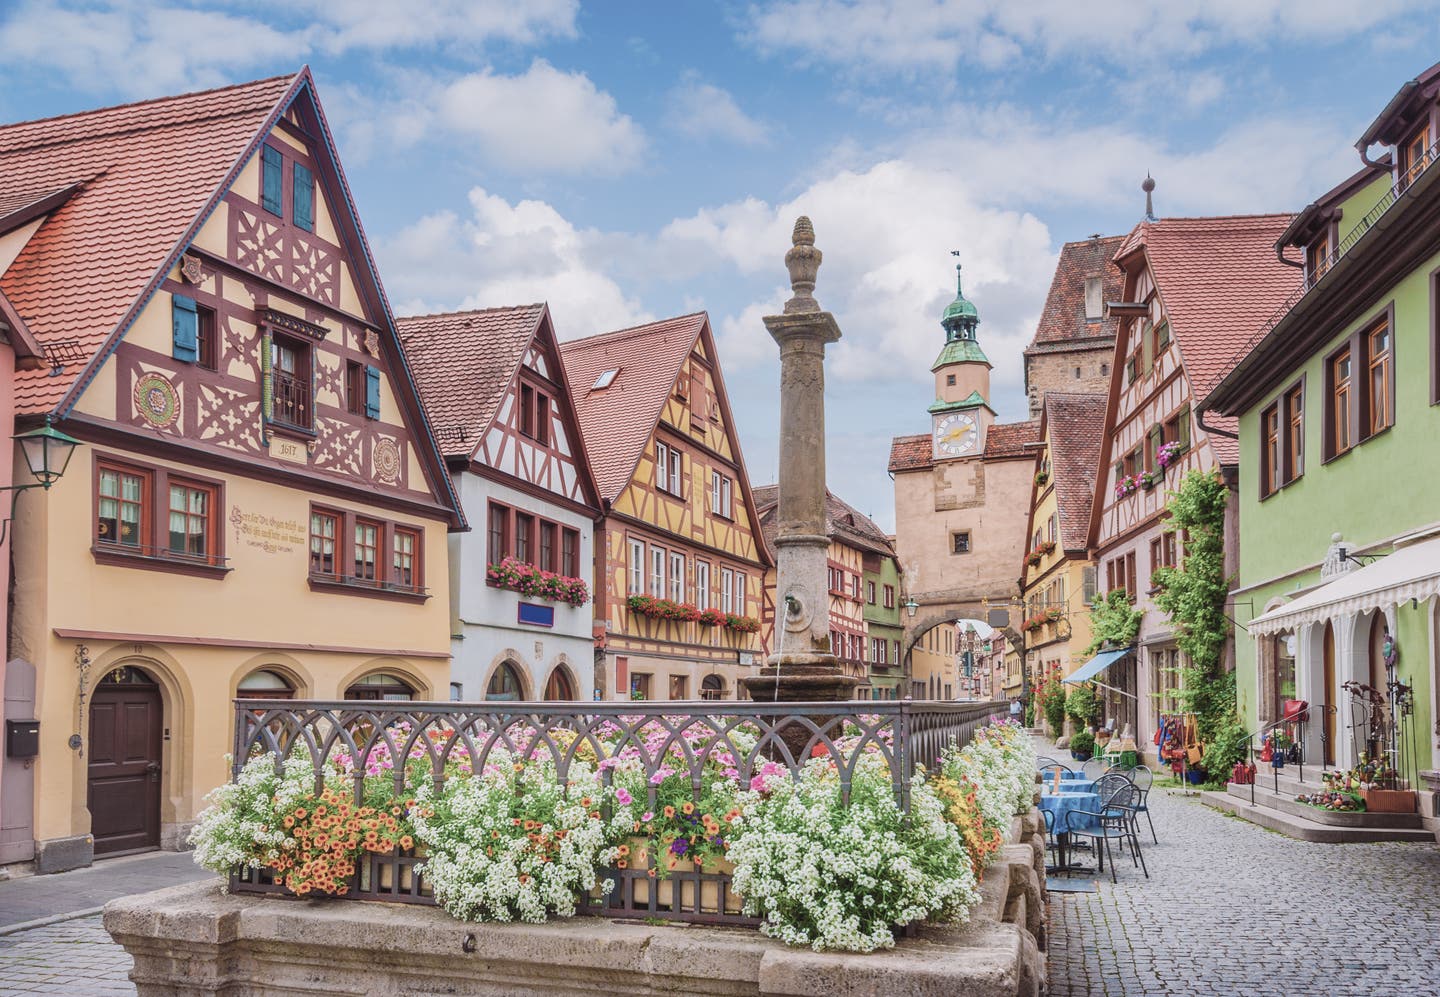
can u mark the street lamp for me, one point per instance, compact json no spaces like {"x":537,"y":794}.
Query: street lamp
{"x":47,"y":453}
{"x":911,"y":606}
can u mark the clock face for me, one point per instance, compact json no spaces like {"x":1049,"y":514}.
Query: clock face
{"x":956,"y":434}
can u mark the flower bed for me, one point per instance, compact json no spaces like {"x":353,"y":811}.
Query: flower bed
{"x":527,"y":579}
{"x":529,"y":822}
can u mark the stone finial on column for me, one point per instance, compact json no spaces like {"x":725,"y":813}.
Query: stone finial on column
{"x":803,"y":262}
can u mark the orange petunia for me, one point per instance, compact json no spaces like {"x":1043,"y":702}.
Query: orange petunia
{"x":669,"y":811}
{"x":687,"y":807}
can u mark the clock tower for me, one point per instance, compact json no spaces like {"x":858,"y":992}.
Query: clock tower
{"x":961,"y":413}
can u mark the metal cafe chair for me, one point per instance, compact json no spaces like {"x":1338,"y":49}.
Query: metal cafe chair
{"x":1143,"y":779}
{"x":1114,"y":821}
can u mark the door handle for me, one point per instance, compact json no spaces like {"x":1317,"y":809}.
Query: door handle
{"x":153,"y":771}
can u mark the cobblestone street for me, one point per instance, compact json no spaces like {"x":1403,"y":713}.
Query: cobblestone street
{"x":1233,"y":909}
{"x":71,"y":957}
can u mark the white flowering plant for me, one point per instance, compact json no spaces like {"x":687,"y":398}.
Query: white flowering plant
{"x":831,"y":876}
{"x":1000,"y":762}
{"x":517,"y":845}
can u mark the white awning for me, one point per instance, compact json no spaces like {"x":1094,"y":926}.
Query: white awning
{"x":1411,"y":572}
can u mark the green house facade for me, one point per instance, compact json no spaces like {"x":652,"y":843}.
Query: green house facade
{"x":883,"y":597}
{"x":1339,"y":421}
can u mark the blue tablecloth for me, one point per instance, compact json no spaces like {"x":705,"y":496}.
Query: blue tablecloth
{"x":1077,"y":774}
{"x":1064,"y":804}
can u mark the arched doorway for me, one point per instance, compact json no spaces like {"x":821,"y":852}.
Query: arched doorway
{"x":559,"y":687}
{"x":505,"y":683}
{"x":381,"y":685}
{"x":127,"y":725}
{"x":264,"y":684}
{"x":712,"y":687}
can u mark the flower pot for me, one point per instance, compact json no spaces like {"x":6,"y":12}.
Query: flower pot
{"x":1080,"y":756}
{"x":1389,"y":801}
{"x":677,"y":890}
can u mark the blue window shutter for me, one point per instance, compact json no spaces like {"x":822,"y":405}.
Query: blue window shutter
{"x":304,"y":198}
{"x":270,"y":180}
{"x":372,"y":392}
{"x":186,"y":322}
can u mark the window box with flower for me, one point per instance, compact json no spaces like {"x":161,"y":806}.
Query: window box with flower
{"x":529,"y":580}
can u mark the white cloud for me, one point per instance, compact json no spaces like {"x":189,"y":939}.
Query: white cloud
{"x":910,"y":36}
{"x":505,"y":254}
{"x":139,"y":49}
{"x":543,"y":119}
{"x":145,"y":49}
{"x":703,"y":110}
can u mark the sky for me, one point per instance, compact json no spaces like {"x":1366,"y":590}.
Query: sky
{"x":631,"y":161}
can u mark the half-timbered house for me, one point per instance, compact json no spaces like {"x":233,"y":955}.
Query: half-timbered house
{"x":855,"y":563}
{"x":258,"y":508}
{"x":497,"y":397}
{"x":679,"y":561}
{"x":1193,"y":290}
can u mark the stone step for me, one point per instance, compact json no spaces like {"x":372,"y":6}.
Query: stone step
{"x":1266,"y":797}
{"x":1306,"y":829}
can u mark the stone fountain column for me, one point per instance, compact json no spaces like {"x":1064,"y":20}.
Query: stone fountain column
{"x":802,"y":667}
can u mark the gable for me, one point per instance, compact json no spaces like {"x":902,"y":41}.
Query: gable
{"x":269,"y":341}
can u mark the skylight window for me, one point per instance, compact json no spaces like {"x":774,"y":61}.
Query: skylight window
{"x":605,"y":379}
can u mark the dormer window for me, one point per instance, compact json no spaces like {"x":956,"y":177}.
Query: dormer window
{"x":1317,"y":258}
{"x":1413,"y":155}
{"x":605,"y":379}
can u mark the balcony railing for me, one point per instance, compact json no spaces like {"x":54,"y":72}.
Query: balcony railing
{"x":1316,"y":270}
{"x":290,"y":401}
{"x":347,"y":736}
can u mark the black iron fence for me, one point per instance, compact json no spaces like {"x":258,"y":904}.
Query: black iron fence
{"x":752,"y":738}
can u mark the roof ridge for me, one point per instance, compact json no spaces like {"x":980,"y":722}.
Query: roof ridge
{"x":472,"y":311}
{"x":630,"y":330}
{"x":1088,"y":240}
{"x":1220,"y":218}
{"x":152,"y":100}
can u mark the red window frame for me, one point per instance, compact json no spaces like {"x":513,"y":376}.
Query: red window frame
{"x":292,"y":392}
{"x":151,"y":547}
{"x":206,"y":517}
{"x":206,"y":345}
{"x":105,"y":533}
{"x":406,"y":557}
{"x":320,"y":539}
{"x":570,"y":552}
{"x":365,"y":543}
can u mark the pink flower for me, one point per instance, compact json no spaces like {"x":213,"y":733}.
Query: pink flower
{"x":648,"y":815}
{"x":623,"y":796}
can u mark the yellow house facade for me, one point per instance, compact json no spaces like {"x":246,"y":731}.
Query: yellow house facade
{"x":680,"y":565}
{"x":1057,"y":576}
{"x":257,"y":509}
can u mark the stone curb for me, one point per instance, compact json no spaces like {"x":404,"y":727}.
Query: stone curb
{"x":41,"y":922}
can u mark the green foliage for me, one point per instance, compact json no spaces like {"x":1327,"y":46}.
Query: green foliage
{"x":1082,"y":705}
{"x":1229,"y":746}
{"x":1083,"y":743}
{"x":1193,"y":596}
{"x":1052,"y":701}
{"x":1113,"y":620}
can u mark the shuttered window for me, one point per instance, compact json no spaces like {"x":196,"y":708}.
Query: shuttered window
{"x":185,"y":321}
{"x":303,"y":198}
{"x":271,"y":180}
{"x":372,"y":392}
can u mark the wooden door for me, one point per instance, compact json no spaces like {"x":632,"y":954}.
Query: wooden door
{"x":1329,"y":710}
{"x":126,"y":724}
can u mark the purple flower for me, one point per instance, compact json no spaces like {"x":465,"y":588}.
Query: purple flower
{"x":679,"y":846}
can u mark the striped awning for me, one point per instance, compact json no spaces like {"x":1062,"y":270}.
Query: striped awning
{"x":1411,"y":572}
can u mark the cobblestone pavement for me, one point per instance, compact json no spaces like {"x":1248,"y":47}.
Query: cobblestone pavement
{"x":31,"y":898}
{"x":1233,"y":909}
{"x":72,"y":957}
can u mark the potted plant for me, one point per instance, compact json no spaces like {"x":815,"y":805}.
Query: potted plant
{"x":1082,"y":745}
{"x":1042,"y":478}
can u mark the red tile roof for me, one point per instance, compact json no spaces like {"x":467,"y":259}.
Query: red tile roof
{"x":1073,"y":424}
{"x":1063,"y":321}
{"x":1219,"y":281}
{"x":911,"y":453}
{"x":843,"y":522}
{"x":146,"y":172}
{"x":617,"y":421}
{"x":463,"y":363}
{"x":1008,"y":439}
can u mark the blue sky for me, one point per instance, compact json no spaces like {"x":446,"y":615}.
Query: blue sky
{"x":628,"y":161}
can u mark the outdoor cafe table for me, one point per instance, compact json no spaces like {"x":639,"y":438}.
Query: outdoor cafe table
{"x":1063,"y":807}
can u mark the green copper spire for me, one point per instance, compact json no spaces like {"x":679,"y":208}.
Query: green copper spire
{"x":959,"y":321}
